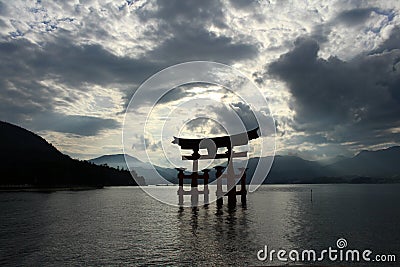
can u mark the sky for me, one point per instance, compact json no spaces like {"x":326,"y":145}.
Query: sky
{"x":329,"y":70}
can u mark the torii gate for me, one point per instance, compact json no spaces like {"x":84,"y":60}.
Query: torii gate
{"x":212,"y":145}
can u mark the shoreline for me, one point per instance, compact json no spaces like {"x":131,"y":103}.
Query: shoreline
{"x":48,"y":189}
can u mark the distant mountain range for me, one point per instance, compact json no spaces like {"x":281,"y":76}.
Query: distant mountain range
{"x":379,"y":166}
{"x":379,"y":163}
{"x":28,"y":159}
{"x":144,"y":169}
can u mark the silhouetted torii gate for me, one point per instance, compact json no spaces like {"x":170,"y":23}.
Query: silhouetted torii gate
{"x":212,"y":145}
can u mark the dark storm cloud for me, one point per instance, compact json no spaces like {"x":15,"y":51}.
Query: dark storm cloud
{"x":70,"y":64}
{"x":234,"y":123}
{"x":356,"y":100}
{"x":246,"y":115}
{"x":241,"y":3}
{"x":392,"y":43}
{"x":239,"y":117}
{"x":188,"y":13}
{"x":3,"y":8}
{"x":24,"y":64}
{"x":187,"y":22}
{"x":80,"y":125}
{"x":354,"y":16}
{"x":190,"y":44}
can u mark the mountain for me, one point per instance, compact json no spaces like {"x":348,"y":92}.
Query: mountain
{"x":288,"y":169}
{"x":329,"y":161}
{"x":117,"y":161}
{"x":367,"y":166}
{"x":379,"y":163}
{"x":28,"y":159}
{"x":293,"y":169}
{"x":143,"y":169}
{"x":285,"y":169}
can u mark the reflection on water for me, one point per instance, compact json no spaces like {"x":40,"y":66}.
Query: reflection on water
{"x":124,"y":226}
{"x":214,"y":236}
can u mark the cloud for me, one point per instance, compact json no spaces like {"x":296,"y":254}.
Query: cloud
{"x":69,"y":63}
{"x":74,"y":124}
{"x":26,"y":67}
{"x":239,"y":116}
{"x":354,"y":16}
{"x":80,"y":62}
{"x":182,"y":41}
{"x":203,"y":126}
{"x":66,"y":58}
{"x":355,"y":100}
{"x":354,"y":29}
{"x":392,"y":43}
{"x":175,"y":94}
{"x":246,"y":115}
{"x":244,"y":4}
{"x":189,"y":44}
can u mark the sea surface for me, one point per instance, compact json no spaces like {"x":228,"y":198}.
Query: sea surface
{"x":123,"y":226}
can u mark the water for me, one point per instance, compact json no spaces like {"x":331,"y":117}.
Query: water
{"x":124,"y":226}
